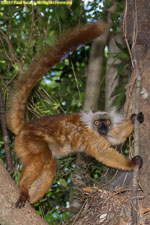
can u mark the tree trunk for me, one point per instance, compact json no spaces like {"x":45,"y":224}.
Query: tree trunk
{"x":5,"y":133}
{"x":95,"y":72}
{"x":137,"y":21}
{"x":9,"y":214}
{"x":145,"y":128}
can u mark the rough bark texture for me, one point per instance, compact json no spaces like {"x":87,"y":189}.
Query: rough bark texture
{"x":145,"y":130}
{"x":144,"y":66}
{"x":143,"y":18}
{"x":141,"y":58}
{"x":8,"y":196}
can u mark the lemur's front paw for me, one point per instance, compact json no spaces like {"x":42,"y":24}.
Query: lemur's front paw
{"x":139,"y":117}
{"x":137,"y":161}
{"x":133,"y":117}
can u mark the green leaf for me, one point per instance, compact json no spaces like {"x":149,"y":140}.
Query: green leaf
{"x":63,"y":182}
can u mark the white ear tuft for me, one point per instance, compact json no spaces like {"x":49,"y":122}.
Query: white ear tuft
{"x":115,"y":116}
{"x":86,"y":117}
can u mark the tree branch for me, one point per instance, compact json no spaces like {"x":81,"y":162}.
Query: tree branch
{"x":5,"y":133}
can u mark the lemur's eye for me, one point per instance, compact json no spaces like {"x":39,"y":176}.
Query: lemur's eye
{"x":96,"y":122}
{"x":108,"y":122}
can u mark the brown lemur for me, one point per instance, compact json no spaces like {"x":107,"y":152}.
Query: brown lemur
{"x":38,"y":143}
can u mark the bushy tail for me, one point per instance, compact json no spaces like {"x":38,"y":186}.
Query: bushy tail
{"x":41,"y":64}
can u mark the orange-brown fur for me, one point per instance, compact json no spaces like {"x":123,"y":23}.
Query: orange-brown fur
{"x":38,"y":143}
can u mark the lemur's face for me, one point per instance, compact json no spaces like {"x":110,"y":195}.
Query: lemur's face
{"x":102,"y":126}
{"x":101,"y":122}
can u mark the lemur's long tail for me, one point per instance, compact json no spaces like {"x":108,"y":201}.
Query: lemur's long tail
{"x":41,"y":64}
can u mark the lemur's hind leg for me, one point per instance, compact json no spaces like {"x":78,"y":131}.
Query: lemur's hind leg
{"x":43,"y":182}
{"x":36,"y":157}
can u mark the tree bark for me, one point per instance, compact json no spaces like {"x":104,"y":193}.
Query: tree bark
{"x":5,"y":133}
{"x":137,"y":20}
{"x":95,"y":72}
{"x":9,"y":214}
